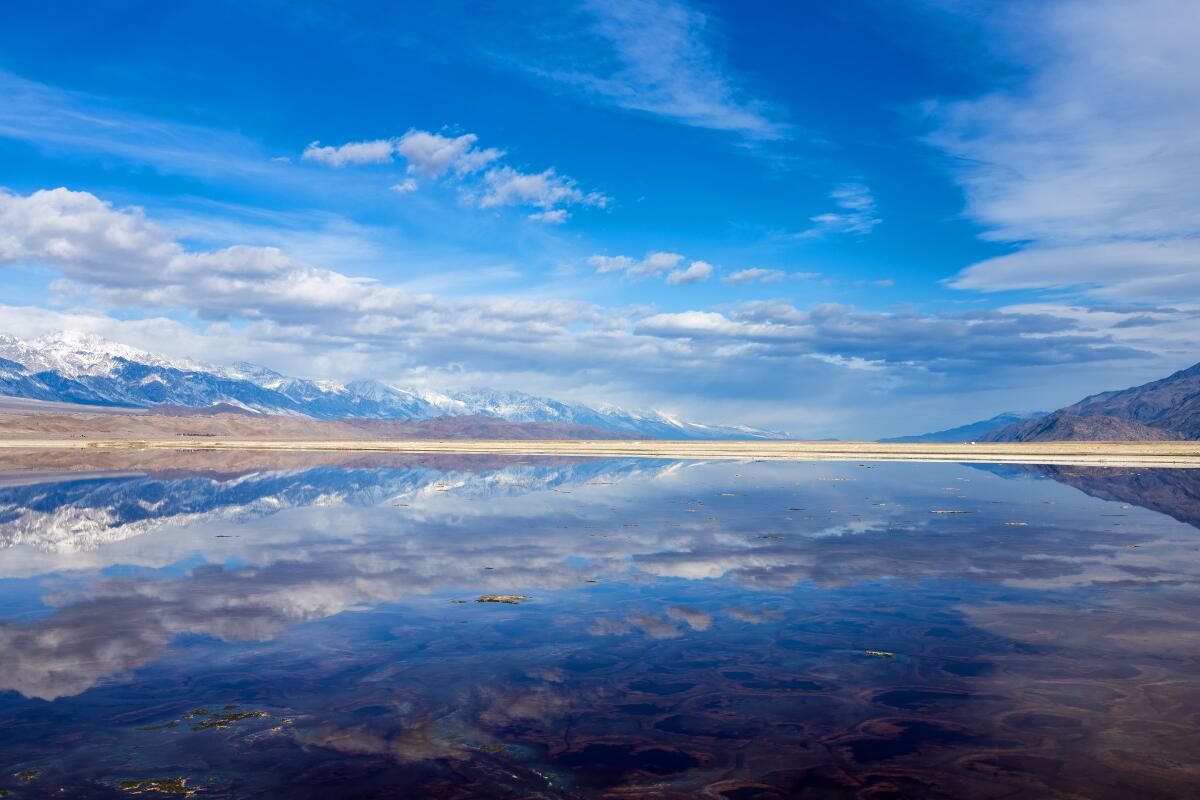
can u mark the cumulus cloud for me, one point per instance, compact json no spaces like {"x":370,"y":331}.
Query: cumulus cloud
{"x":378,"y":151}
{"x":855,"y":215}
{"x":505,"y":186}
{"x":654,"y":263}
{"x":1091,"y":163}
{"x":127,"y":260}
{"x":434,"y":156}
{"x":696,"y":272}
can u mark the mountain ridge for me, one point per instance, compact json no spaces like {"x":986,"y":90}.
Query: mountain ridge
{"x":972,"y":431}
{"x":1164,"y":409}
{"x":88,"y":370}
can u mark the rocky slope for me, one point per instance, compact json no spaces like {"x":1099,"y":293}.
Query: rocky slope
{"x":1164,"y":409}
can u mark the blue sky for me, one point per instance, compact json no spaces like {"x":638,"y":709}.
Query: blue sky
{"x":850,"y":219}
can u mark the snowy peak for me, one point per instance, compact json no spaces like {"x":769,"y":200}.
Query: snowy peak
{"x":72,"y":354}
{"x":83,"y":368}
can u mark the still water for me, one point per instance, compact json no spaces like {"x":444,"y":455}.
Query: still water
{"x":306,"y":626}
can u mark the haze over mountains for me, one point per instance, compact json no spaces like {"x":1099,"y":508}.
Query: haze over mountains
{"x":88,"y":370}
{"x":971,"y":432}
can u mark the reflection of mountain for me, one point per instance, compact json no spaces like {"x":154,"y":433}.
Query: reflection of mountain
{"x":83,"y":513}
{"x":493,"y":532}
{"x":1174,"y":492}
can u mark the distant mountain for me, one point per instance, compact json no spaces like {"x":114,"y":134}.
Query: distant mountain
{"x":1163,"y":409}
{"x":89,"y":370}
{"x":972,"y":432}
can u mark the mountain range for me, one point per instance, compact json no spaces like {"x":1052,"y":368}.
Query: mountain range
{"x":971,"y":432}
{"x":1162,"y":410}
{"x":88,"y":370}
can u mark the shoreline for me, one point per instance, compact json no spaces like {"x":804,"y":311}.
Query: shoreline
{"x":1175,"y":454}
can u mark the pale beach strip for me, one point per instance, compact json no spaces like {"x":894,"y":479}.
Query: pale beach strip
{"x":1114,"y":454}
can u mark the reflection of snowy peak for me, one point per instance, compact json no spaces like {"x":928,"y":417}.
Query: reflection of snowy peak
{"x":86,"y":513}
{"x":89,"y":370}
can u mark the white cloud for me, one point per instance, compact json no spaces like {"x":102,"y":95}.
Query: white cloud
{"x":378,"y":151}
{"x":1092,"y":163}
{"x":432,"y":155}
{"x":754,"y":275}
{"x":556,"y":217}
{"x":606,"y":264}
{"x":505,"y":186}
{"x":663,"y":63}
{"x":856,"y":214}
{"x":696,"y":272}
{"x":1120,"y":268}
{"x":263,"y":304}
{"x":653,"y":263}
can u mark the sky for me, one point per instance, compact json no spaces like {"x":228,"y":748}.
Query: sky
{"x":850,"y":219}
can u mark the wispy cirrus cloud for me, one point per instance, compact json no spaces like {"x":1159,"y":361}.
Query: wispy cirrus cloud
{"x":855,"y":215}
{"x":765,"y":276}
{"x":661,"y":58}
{"x":1091,"y":165}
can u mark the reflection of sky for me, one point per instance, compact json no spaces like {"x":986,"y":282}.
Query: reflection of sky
{"x":691,"y":625}
{"x":246,"y":558}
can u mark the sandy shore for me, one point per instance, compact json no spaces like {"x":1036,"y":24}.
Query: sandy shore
{"x":1148,"y":454}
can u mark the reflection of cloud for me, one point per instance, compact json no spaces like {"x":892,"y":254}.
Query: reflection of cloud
{"x":696,"y":619}
{"x":65,"y":654}
{"x":85,"y":514}
{"x":654,"y":626}
{"x":751,"y":616}
{"x":608,"y":627}
{"x":314,"y":562}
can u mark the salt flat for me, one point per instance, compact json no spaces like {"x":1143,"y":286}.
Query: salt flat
{"x":1148,"y":454}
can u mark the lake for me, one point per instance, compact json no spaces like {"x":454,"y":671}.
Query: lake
{"x":345,"y":625}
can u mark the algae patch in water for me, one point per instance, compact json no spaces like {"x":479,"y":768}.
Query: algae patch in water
{"x":222,"y":721}
{"x":165,"y":726}
{"x":159,"y":786}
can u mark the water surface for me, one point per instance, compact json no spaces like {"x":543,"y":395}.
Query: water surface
{"x":304,"y":625}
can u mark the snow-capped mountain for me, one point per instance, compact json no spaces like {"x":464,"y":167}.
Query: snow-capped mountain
{"x":87,"y":369}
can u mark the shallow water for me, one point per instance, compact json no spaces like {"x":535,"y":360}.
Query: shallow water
{"x":308,"y":626}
